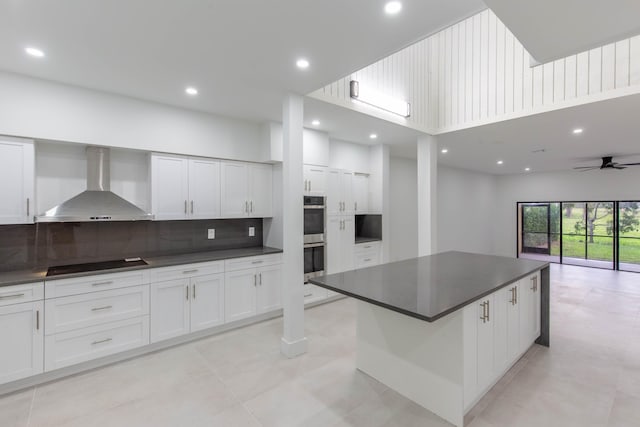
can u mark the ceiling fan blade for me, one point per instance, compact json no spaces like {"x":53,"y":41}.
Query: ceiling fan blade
{"x":587,"y":167}
{"x":619,"y":167}
{"x":629,"y":164}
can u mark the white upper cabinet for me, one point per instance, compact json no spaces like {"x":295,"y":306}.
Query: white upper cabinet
{"x":246,"y":190}
{"x":315,"y":180}
{"x":340,"y":192}
{"x":234,"y":197}
{"x":16,"y":181}
{"x":204,"y":188}
{"x":184,"y":188}
{"x":260,"y":190}
{"x":360,"y":193}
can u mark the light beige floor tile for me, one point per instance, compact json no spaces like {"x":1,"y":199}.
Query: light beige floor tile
{"x":625,"y":411}
{"x":14,"y":409}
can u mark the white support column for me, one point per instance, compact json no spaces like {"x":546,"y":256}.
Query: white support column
{"x":427,"y":194}
{"x":379,"y":188}
{"x":294,"y":343}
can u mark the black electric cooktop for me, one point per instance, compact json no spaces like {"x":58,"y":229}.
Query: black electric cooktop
{"x":94,"y":266}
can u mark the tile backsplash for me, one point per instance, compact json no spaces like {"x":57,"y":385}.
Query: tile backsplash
{"x":49,"y":244}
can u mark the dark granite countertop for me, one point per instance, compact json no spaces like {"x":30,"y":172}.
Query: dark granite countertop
{"x":367,"y":239}
{"x":430,"y":287}
{"x":9,"y":278}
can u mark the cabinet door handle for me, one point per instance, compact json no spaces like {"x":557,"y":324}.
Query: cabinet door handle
{"x":513,"y":298}
{"x":106,"y":307}
{"x":534,"y":287}
{"x":260,"y":279}
{"x":251,"y":206}
{"x":190,"y":271}
{"x":309,"y":185}
{"x":28,"y":206}
{"x":515,"y":291}
{"x":187,"y":292}
{"x":193,"y":292}
{"x":488,"y":312}
{"x":37,"y":320}
{"x":305,"y":185}
{"x":185,"y":206}
{"x":367,"y":260}
{"x":355,"y":206}
{"x":246,"y":206}
{"x":102,"y":341}
{"x":103,"y":283}
{"x":192,"y":206}
{"x":484,"y":313}
{"x":11,"y":296}
{"x":255,"y":280}
{"x":257,"y":262}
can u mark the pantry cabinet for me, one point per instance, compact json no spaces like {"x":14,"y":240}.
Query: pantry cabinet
{"x":17,"y":160}
{"x":360,"y":193}
{"x":340,"y":243}
{"x":339,"y":192}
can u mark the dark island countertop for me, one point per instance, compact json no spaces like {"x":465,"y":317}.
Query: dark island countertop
{"x":430,"y":287}
{"x":8,"y":278}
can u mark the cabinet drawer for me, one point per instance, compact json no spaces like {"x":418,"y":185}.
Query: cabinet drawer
{"x":367,"y":259}
{"x":96,"y":283}
{"x":81,"y":311}
{"x":186,"y":270}
{"x":252,"y":262}
{"x":369,"y":246}
{"x":21,"y":293}
{"x":77,"y":346}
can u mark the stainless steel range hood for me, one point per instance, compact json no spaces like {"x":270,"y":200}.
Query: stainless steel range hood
{"x":97,"y":203}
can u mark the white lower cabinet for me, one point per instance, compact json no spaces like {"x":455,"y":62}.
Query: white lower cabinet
{"x":186,"y":305}
{"x":81,"y":345}
{"x":498,"y":329}
{"x":367,"y":254}
{"x":21,"y":338}
{"x":252,"y":291}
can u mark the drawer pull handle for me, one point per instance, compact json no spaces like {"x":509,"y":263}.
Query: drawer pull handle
{"x":103,"y":283}
{"x":256,"y":262}
{"x":102,"y":341}
{"x":367,"y":247}
{"x":367,"y":260}
{"x":106,"y":307}
{"x":190,"y":271}
{"x":308,"y":295}
{"x":11,"y":296}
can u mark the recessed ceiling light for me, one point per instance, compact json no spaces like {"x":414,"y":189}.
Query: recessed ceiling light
{"x":500,"y":162}
{"x":302,"y":63}
{"x":316,"y":122}
{"x":373,"y":136}
{"x":578,"y":131}
{"x":444,"y":151}
{"x":392,"y":7}
{"x":34,"y":52}
{"x":527,"y":169}
{"x":191,"y":91}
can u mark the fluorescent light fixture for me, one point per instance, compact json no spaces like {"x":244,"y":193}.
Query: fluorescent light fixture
{"x":302,"y":63}
{"x":444,"y":151}
{"x":500,"y":162}
{"x":191,"y":91}
{"x":578,"y":131}
{"x":316,"y":122}
{"x":34,"y":52}
{"x":373,"y":136}
{"x":380,"y":100}
{"x":392,"y":7}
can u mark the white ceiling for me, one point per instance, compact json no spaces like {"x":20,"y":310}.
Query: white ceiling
{"x":553,"y":29}
{"x":240,"y":54}
{"x":611,"y":128}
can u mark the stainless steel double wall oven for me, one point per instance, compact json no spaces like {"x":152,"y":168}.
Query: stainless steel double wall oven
{"x":314,"y":236}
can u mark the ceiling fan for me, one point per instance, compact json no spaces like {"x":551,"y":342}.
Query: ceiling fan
{"x":607,"y":163}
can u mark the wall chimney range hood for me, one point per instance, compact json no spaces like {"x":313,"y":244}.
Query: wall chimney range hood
{"x":97,"y":203}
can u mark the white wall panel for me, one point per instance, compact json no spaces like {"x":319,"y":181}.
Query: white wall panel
{"x":476,"y":72}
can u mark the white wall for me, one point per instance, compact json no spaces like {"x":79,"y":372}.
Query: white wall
{"x":350,"y":156}
{"x":558,"y":186}
{"x":41,"y":109}
{"x":403,"y":185}
{"x":466,"y":210}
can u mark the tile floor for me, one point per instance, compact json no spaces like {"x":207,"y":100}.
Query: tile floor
{"x":589,"y":377}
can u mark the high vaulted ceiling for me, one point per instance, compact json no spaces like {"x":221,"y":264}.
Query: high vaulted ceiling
{"x":240,"y":54}
{"x":553,"y":29}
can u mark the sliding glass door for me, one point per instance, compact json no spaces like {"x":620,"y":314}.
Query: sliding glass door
{"x":629,"y":236}
{"x":540,"y":231}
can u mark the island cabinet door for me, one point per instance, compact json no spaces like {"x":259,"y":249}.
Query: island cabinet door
{"x":486,"y":343}
{"x":529,"y":299}
{"x":507,"y":327}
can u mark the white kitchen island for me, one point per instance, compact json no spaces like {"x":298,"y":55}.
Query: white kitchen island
{"x":443,"y":329}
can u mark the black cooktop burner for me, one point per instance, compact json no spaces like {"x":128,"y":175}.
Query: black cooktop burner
{"x":94,"y":266}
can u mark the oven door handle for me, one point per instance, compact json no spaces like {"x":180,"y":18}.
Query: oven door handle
{"x":314,"y":206}
{"x":313,"y":245}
